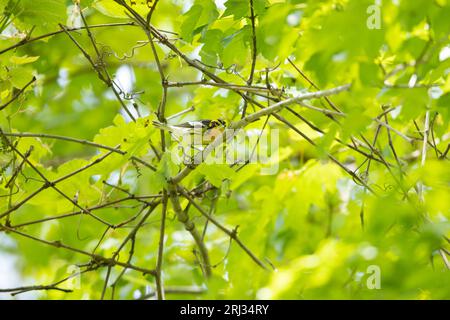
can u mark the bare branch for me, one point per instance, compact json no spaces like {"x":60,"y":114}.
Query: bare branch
{"x":190,"y":227}
{"x":18,"y":93}
{"x":231,"y":233}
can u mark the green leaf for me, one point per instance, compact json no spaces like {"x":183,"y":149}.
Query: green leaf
{"x":22,"y":60}
{"x":212,"y":47}
{"x":44,"y":15}
{"x":241,"y":8}
{"x":112,"y":9}
{"x":199,"y":16}
{"x":20,"y":76}
{"x":369,"y":74}
{"x":235,"y":48}
{"x":3,"y":4}
{"x":237,"y":9}
{"x":216,"y":173}
{"x":355,"y":121}
{"x":190,"y":22}
{"x":166,"y":169}
{"x":244,"y":175}
{"x":273,"y":30}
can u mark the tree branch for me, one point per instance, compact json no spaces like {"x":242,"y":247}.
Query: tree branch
{"x":18,"y":93}
{"x":190,"y":227}
{"x":228,"y":134}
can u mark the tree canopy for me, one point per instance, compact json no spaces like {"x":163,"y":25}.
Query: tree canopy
{"x":344,"y":102}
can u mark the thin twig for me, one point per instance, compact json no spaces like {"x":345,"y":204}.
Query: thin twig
{"x":176,"y":290}
{"x":159,"y":262}
{"x":98,"y":258}
{"x":254,"y":48}
{"x":50,"y":34}
{"x":230,"y":233}
{"x":18,"y":93}
{"x":232,"y":129}
{"x":254,"y":54}
{"x":80,"y":141}
{"x":51,"y":184}
{"x":99,"y":67}
{"x":190,"y":227}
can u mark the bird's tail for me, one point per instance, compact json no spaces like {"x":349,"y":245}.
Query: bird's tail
{"x":160,"y":125}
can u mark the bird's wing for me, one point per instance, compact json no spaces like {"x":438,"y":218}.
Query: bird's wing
{"x":194,"y":124}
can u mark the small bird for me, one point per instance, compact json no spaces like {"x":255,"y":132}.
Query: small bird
{"x":199,"y":132}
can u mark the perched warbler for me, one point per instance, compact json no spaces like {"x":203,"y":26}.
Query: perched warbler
{"x":199,"y":132}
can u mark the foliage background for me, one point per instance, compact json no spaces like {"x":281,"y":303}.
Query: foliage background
{"x":305,"y":221}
